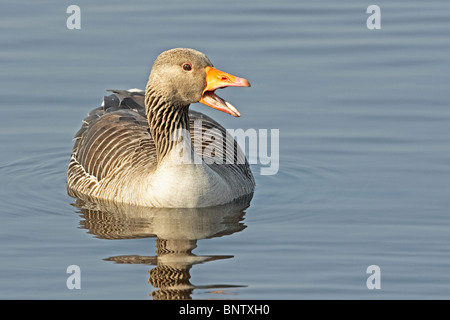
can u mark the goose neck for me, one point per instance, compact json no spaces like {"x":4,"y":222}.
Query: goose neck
{"x":168,"y":123}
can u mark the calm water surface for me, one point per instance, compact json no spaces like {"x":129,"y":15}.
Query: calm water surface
{"x":364,"y":175}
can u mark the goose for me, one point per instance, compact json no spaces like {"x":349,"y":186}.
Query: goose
{"x":147,"y":148}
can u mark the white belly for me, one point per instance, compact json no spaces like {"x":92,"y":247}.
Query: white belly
{"x":186,"y":185}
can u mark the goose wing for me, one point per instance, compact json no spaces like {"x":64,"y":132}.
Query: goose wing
{"x":112,"y":136}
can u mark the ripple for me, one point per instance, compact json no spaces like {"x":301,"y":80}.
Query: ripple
{"x":36,"y":183}
{"x":301,"y":186}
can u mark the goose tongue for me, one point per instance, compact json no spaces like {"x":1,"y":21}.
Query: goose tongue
{"x":214,"y":101}
{"x":216,"y":79}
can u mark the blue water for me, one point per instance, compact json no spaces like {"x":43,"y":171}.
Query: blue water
{"x":364,"y":174}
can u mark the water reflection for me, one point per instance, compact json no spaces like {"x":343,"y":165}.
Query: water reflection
{"x":177,"y":232}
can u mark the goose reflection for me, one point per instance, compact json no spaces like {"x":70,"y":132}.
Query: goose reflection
{"x":177,"y":232}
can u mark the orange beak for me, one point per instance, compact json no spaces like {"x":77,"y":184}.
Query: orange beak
{"x":216,"y":79}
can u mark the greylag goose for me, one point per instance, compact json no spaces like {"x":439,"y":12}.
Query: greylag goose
{"x":140,"y":148}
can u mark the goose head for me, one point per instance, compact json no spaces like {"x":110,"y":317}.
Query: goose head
{"x":186,"y":76}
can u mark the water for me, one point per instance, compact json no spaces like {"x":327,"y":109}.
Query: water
{"x":364,"y":174}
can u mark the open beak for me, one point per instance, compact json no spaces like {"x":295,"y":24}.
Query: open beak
{"x":216,"y":79}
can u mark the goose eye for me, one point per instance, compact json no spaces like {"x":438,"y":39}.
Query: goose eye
{"x":187,"y":67}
